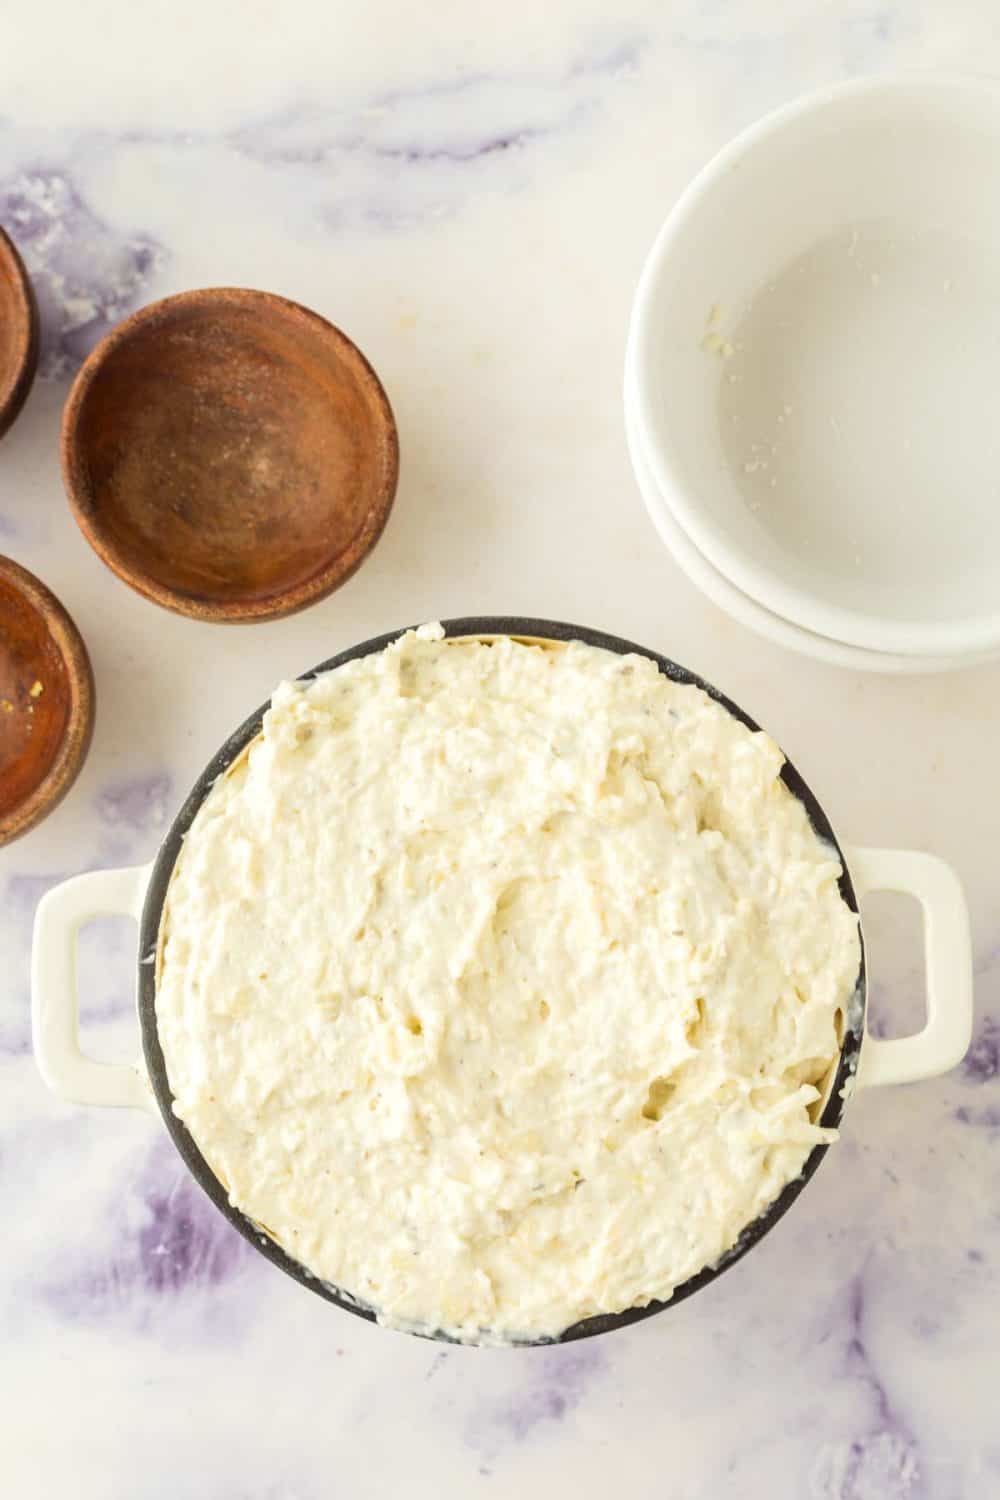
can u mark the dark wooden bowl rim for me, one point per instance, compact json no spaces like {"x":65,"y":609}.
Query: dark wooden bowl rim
{"x":63,"y":770}
{"x":218,"y":302}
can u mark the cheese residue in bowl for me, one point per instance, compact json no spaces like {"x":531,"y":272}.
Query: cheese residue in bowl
{"x":499,"y":982}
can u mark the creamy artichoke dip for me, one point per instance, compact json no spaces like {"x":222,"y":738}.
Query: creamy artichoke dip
{"x":497,"y":981}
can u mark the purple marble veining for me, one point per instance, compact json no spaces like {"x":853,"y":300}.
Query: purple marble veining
{"x":301,"y":142}
{"x":986,"y":1119}
{"x":185,"y":1243}
{"x":457,"y":155}
{"x":170,"y":1242}
{"x":454,"y":121}
{"x":879,"y":1467}
{"x":86,"y":274}
{"x":138,"y":804}
{"x":878,"y":1024}
{"x":295,"y":144}
{"x":883,"y":1461}
{"x":893,"y":1009}
{"x":620,"y":56}
{"x":558,"y":1380}
{"x":982,"y":1061}
{"x":22,"y":894}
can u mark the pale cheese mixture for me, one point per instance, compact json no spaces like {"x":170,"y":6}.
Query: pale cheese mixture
{"x":497,"y":981}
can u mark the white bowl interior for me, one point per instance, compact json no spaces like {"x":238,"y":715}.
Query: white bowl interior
{"x":817,"y":353}
{"x":746,"y":610}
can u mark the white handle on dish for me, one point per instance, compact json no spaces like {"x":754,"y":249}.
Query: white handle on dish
{"x":55,"y":1005}
{"x":944,"y":1040}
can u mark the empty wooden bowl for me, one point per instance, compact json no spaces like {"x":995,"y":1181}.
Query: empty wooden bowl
{"x":229,"y":454}
{"x":18,"y":333}
{"x":46,"y":701}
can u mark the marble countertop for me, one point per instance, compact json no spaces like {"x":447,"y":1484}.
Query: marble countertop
{"x":469,"y":191}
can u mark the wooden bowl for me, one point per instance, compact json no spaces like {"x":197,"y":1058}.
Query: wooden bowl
{"x":229,"y":454}
{"x":46,"y":701}
{"x":18,"y":334}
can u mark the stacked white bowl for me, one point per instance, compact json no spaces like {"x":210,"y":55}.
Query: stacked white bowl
{"x":812,"y":385}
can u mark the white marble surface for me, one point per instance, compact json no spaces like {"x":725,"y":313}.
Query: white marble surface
{"x":469,"y":192}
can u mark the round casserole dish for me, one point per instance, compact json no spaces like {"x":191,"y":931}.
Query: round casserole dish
{"x":142,"y":892}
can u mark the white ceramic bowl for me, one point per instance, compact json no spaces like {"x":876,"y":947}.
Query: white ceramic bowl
{"x":813,"y":361}
{"x":747,"y":611}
